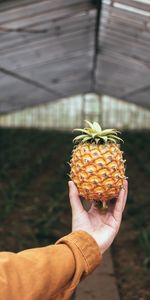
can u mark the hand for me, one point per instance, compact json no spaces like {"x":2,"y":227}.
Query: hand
{"x":102,"y":227}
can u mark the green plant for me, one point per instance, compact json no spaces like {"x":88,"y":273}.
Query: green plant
{"x":145,"y":244}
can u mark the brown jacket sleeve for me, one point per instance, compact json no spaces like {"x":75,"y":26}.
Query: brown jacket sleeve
{"x":50,"y":272}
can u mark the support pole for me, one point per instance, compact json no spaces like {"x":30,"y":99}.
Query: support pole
{"x":100,"y":117}
{"x":96,"y":43}
{"x":83,"y":110}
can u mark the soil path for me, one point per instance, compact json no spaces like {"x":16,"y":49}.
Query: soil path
{"x":101,"y":284}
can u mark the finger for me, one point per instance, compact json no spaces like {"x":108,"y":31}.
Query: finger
{"x":126,"y":193}
{"x":93,"y":207}
{"x":120,"y":202}
{"x":75,"y":202}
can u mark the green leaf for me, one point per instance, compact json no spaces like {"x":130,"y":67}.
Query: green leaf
{"x":115,"y":137}
{"x":94,"y":132}
{"x":89,"y":123}
{"x":104,"y":138}
{"x":97,"y":127}
{"x":93,"y":135}
{"x":87,"y":138}
{"x":109,"y":131}
{"x":80,"y":137}
{"x":97,"y":140}
{"x":81,"y":130}
{"x":111,"y":139}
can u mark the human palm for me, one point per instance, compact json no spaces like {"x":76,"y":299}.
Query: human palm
{"x":103,"y":227}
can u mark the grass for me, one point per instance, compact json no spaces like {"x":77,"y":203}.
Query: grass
{"x":34,"y":205}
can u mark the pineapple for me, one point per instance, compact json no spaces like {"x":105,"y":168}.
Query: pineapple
{"x":97,"y":165}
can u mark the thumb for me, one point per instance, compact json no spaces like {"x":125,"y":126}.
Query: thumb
{"x":75,"y":201}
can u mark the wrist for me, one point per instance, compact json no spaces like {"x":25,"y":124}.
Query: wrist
{"x":96,"y":237}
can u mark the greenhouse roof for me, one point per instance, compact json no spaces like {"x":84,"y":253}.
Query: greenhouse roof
{"x":54,"y":49}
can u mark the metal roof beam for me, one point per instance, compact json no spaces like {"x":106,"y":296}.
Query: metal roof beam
{"x":96,"y":43}
{"x":30,"y":81}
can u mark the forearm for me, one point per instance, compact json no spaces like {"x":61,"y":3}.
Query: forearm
{"x":45,"y":273}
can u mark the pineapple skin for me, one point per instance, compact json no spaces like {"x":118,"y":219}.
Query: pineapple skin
{"x":98,"y":170}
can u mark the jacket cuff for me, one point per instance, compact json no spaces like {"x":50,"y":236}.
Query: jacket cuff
{"x":86,"y":245}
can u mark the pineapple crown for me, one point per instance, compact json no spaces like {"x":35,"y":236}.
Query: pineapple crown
{"x":95,"y":134}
